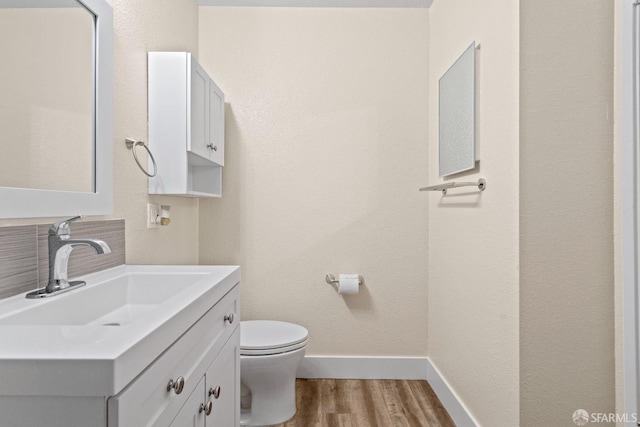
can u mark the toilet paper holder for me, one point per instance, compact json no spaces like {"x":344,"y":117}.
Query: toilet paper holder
{"x":331,"y":279}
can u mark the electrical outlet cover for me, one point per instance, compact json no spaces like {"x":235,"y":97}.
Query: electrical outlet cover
{"x":153,"y":216}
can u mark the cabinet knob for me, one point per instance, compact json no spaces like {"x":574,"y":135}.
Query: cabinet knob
{"x":229,"y":318}
{"x":215,"y":392}
{"x":177,"y":385}
{"x":212,"y":147}
{"x":206,"y":408}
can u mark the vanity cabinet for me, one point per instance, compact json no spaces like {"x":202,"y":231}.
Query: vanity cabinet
{"x":137,"y":346}
{"x":180,"y":387}
{"x":186,"y":126}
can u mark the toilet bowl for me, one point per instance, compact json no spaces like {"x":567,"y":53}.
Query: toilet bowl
{"x":270,"y":352}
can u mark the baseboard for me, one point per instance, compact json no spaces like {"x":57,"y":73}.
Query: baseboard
{"x":367,"y":368}
{"x":450,"y":400}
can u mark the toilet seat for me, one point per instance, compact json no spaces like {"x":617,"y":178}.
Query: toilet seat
{"x":268,"y":337}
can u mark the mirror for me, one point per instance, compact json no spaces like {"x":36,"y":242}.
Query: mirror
{"x":46,"y":107}
{"x":457,"y":144}
{"x":56,"y":81}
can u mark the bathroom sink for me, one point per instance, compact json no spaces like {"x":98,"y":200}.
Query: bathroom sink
{"x":105,"y":332}
{"x":115,"y":301}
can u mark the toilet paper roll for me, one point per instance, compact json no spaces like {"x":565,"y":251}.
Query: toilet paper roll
{"x":348,"y":284}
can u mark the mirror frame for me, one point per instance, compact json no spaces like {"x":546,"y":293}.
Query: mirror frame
{"x":31,"y":203}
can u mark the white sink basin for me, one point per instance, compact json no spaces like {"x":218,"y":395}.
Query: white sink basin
{"x":105,"y":332}
{"x":115,"y":301}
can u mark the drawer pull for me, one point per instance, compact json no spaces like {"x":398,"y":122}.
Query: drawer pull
{"x":215,"y":392}
{"x":177,"y":385}
{"x":206,"y":408}
{"x":229,"y":318}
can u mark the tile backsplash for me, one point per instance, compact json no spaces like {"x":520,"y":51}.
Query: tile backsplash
{"x":24,"y":256}
{"x":18,"y":260}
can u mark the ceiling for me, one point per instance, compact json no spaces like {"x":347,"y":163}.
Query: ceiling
{"x":319,"y":3}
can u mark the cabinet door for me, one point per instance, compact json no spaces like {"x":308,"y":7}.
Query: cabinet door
{"x":216,"y":123}
{"x":223,"y":385}
{"x":198,"y":137}
{"x":191,"y":414}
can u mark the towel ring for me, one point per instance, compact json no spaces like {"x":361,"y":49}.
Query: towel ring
{"x":131,"y":145}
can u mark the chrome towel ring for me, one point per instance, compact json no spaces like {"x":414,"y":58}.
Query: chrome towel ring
{"x":131,"y":145}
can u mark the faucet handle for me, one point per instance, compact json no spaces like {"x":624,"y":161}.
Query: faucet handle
{"x":61,"y":228}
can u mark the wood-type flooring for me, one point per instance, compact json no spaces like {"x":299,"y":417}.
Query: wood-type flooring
{"x":367,"y":403}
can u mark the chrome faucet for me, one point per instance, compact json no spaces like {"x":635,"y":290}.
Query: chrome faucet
{"x":60,"y":246}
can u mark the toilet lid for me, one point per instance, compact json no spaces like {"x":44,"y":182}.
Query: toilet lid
{"x":270,"y":336}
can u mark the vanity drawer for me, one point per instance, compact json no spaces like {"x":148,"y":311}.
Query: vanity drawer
{"x":146,"y":401}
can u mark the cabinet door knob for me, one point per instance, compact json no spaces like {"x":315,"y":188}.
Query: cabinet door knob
{"x":206,"y":408}
{"x":212,"y":147}
{"x":177,"y":385}
{"x":215,"y":392}
{"x":229,"y":318}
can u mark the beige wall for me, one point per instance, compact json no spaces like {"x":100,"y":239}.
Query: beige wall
{"x":326,"y":147}
{"x":473,"y":238}
{"x":566,"y":210}
{"x":141,"y":26}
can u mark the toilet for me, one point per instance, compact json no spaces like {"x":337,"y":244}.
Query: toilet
{"x":270,"y":352}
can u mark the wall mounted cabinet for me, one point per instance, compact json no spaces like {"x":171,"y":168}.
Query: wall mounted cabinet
{"x":186,"y":126}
